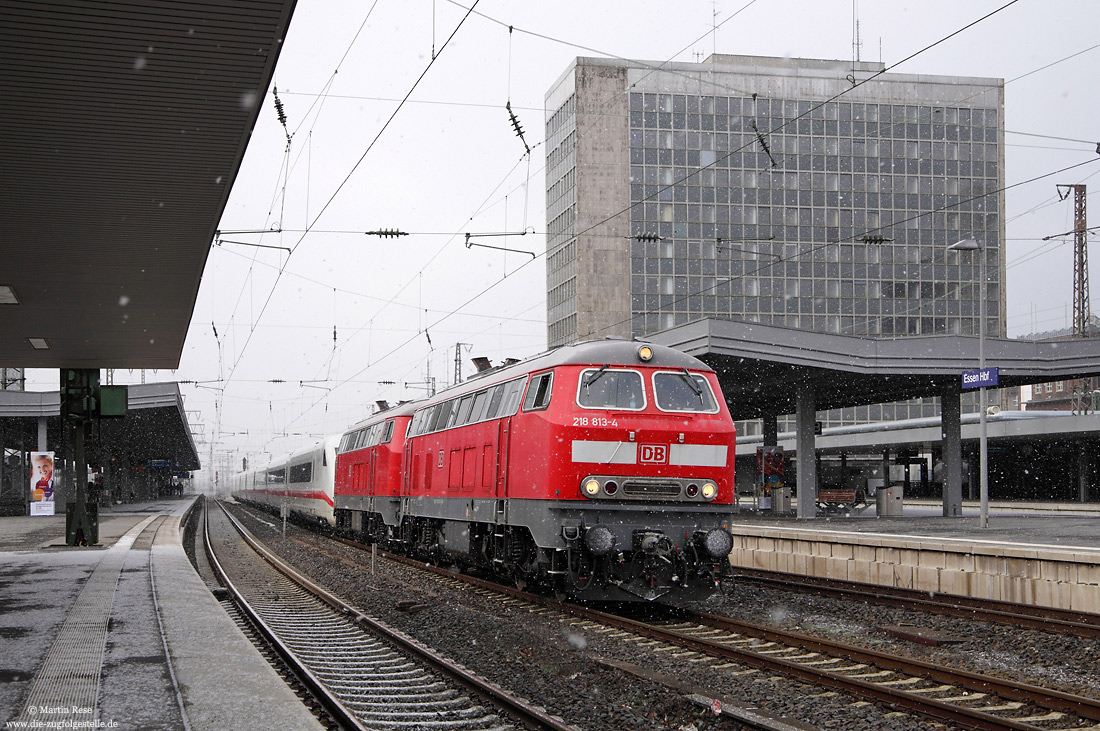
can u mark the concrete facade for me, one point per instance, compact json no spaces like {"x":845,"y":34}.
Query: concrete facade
{"x":791,"y":192}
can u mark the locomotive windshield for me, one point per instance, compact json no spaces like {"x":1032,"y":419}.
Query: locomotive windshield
{"x":683,"y":391}
{"x":611,"y":389}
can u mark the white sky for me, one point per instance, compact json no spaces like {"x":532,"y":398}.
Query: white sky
{"x":449,"y":163}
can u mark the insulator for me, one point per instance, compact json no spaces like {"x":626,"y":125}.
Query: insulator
{"x":279,"y":108}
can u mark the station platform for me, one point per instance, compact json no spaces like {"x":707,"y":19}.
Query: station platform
{"x":125,"y":634}
{"x":1043,"y":554}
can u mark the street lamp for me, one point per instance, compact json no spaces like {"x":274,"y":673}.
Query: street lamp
{"x":983,"y":452}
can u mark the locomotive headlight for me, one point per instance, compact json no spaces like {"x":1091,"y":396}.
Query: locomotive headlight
{"x":645,"y":353}
{"x":592,"y":488}
{"x":709,"y":491}
{"x":718,"y":543}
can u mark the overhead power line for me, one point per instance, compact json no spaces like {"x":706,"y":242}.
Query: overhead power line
{"x":355,"y":167}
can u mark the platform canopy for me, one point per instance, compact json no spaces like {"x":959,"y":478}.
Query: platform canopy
{"x":768,"y":371}
{"x":155,"y":427}
{"x":761,"y":366}
{"x":125,"y":125}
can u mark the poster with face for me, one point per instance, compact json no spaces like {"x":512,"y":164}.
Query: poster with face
{"x":42,"y":483}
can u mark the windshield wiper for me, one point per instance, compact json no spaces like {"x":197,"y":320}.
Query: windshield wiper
{"x":592,"y":377}
{"x":691,"y":383}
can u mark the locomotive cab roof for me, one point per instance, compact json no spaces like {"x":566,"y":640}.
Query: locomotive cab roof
{"x":613,"y":351}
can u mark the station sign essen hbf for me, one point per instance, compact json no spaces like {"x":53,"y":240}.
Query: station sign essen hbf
{"x":982,"y":378}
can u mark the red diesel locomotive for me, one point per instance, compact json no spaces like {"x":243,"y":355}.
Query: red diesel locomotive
{"x":601,"y":470}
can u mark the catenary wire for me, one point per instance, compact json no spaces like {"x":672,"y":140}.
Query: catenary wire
{"x":894,"y":65}
{"x":340,"y":187}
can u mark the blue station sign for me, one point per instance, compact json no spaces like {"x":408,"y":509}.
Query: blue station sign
{"x":983,"y":378}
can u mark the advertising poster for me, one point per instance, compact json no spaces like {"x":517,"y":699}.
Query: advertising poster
{"x":42,"y":483}
{"x":769,"y":473}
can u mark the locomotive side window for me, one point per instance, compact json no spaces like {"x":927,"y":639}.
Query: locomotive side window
{"x":477,"y":411}
{"x":276,"y":477}
{"x":496,"y":393}
{"x":387,"y":434}
{"x":422,"y":419}
{"x":427,"y":419}
{"x":683,"y":391}
{"x":462,"y":415}
{"x":361,"y":438}
{"x":453,"y":420}
{"x":512,"y":392}
{"x":443,"y":415}
{"x":538,"y":395}
{"x":603,"y":388}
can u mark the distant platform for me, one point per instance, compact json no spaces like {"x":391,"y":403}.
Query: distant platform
{"x":1042,"y":554}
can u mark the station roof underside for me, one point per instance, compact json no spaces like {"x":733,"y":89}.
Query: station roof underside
{"x":761,"y":367}
{"x":155,"y":426}
{"x":126,"y":124}
{"x":1020,"y":427}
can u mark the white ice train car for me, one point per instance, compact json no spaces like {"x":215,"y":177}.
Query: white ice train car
{"x":303,"y":482}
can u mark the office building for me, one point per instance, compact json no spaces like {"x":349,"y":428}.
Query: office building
{"x":819,"y":195}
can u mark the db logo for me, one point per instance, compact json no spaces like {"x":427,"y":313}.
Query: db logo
{"x":655,"y":453}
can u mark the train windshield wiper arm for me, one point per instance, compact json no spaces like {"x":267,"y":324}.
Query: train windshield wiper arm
{"x":691,"y":383}
{"x":592,"y":377}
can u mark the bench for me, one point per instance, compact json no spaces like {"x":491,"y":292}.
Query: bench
{"x":832,"y":500}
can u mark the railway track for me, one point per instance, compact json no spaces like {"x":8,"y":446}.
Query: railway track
{"x":202,"y":557}
{"x":1061,"y":621}
{"x":366,"y":674}
{"x":937,"y":692}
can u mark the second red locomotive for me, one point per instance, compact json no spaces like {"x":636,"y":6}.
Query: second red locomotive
{"x":601,"y":470}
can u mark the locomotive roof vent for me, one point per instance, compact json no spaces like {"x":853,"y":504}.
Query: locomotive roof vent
{"x":482,"y":364}
{"x":382,"y":404}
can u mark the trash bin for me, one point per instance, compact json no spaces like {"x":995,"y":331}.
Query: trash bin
{"x":888,"y":501}
{"x":781,"y":500}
